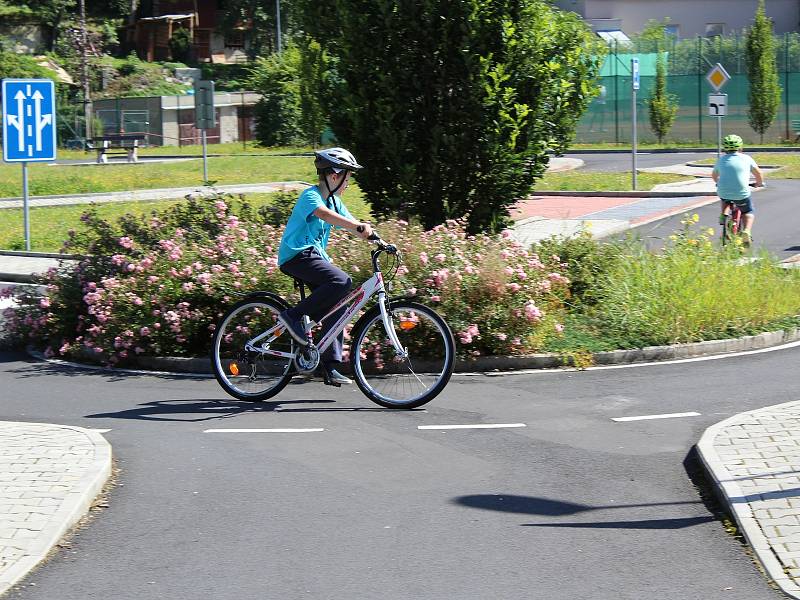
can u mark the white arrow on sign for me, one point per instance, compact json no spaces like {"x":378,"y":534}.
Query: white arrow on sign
{"x":18,"y":121}
{"x":41,"y":121}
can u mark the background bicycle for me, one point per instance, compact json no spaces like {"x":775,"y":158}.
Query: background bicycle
{"x":402,"y":352}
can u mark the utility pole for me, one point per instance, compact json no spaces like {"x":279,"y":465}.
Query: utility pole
{"x":87,"y":101}
{"x":278,"y":22}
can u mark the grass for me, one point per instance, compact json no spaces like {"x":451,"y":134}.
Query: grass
{"x":51,"y":224}
{"x":602,"y":182}
{"x":789,"y":163}
{"x":67,"y":179}
{"x":197,"y":150}
{"x":687,"y":295}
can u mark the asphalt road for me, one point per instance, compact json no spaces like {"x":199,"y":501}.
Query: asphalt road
{"x":571,"y":506}
{"x":613,"y":162}
{"x":776,"y":227}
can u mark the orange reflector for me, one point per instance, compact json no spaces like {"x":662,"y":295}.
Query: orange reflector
{"x":278,"y":332}
{"x":407,"y":325}
{"x":234,"y":368}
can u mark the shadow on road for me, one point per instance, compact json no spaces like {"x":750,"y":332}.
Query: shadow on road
{"x":532,"y":505}
{"x":169,"y":410}
{"x":547,"y":507}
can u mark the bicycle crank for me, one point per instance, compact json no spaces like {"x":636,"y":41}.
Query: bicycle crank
{"x":307,"y":359}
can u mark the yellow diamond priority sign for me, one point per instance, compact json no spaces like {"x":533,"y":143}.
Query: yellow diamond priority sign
{"x":717,"y":77}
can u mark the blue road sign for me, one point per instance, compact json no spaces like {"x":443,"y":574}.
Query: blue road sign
{"x":635,"y":73}
{"x":29,"y":120}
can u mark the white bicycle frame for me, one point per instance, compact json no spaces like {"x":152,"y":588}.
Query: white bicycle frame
{"x":359,"y":297}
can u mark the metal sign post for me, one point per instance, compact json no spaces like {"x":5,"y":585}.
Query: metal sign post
{"x":205,"y":116}
{"x":717,"y":77}
{"x":634,"y":88}
{"x":29,"y":130}
{"x":718,"y":107}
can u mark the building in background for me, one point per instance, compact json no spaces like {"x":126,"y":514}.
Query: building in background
{"x":688,"y":18}
{"x":156,"y":21}
{"x":169,"y":120}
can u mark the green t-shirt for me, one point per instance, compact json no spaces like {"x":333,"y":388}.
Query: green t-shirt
{"x":734,"y":176}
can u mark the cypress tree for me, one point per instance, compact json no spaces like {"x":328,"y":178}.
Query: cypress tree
{"x":663,"y":107}
{"x":762,"y":73}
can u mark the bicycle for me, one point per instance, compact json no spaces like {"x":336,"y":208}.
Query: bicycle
{"x":733,"y":223}
{"x":402,"y":352}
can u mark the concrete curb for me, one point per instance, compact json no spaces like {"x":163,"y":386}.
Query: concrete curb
{"x":620,"y":194}
{"x":200,"y":367}
{"x":73,"y":508}
{"x":736,"y":500}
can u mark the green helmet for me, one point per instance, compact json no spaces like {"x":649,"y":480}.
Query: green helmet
{"x":732,"y":143}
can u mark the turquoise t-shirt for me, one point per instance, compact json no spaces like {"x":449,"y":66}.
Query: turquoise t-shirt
{"x":734,"y":176}
{"x":304,"y":229}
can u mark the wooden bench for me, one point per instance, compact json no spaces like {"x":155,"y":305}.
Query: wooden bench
{"x":123,"y":144}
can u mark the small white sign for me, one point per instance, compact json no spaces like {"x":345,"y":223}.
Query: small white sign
{"x":635,"y":73}
{"x":717,"y":105}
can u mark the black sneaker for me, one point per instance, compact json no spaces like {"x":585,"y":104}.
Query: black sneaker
{"x":337,"y":378}
{"x":294,"y":327}
{"x":331,"y":376}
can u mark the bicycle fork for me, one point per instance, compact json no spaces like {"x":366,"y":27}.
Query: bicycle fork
{"x":389,"y":327}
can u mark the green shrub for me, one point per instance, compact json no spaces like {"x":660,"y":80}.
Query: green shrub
{"x":278,"y":113}
{"x":586,"y":261}
{"x":157,"y":284}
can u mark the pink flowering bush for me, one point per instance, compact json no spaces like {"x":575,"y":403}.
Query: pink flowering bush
{"x":156,"y":285}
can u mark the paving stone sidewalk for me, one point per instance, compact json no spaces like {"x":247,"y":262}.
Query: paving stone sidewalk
{"x":49,"y":476}
{"x":754,"y":460}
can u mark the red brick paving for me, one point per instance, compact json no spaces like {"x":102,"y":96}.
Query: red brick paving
{"x":565,"y":207}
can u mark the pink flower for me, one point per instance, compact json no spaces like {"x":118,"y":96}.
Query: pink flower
{"x":436,"y":299}
{"x":423,"y":258}
{"x":44,"y":302}
{"x":440,"y":257}
{"x":144,"y":331}
{"x":514,"y":287}
{"x":501,"y":336}
{"x":126,"y":242}
{"x":532,"y":312}
{"x":559,"y":327}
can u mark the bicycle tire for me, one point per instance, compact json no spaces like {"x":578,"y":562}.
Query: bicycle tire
{"x":247,"y":375}
{"x":381,"y":376}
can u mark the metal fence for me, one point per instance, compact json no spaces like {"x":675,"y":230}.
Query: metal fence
{"x":608,"y":118}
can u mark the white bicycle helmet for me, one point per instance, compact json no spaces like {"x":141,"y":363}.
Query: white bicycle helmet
{"x":336,"y":159}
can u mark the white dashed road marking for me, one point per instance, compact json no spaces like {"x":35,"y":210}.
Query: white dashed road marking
{"x":480,"y":426}
{"x":667,"y":416}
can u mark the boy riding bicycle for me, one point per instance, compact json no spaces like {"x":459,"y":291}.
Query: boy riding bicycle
{"x":732,"y":175}
{"x":302,"y":252}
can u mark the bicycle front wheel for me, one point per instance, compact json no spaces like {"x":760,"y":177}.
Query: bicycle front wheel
{"x":262,"y":370}
{"x":394,"y":381}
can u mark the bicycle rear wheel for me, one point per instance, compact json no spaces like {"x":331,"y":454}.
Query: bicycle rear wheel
{"x":395,"y":382}
{"x":248,"y":374}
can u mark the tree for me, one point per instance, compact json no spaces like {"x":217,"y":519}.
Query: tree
{"x":762,"y":72}
{"x":314,"y":81}
{"x":278,"y":113}
{"x":663,"y":107}
{"x":452,"y":106}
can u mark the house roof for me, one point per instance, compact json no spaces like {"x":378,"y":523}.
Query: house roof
{"x":177,"y":17}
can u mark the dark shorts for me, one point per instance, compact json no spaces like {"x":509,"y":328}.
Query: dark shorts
{"x":746,"y":205}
